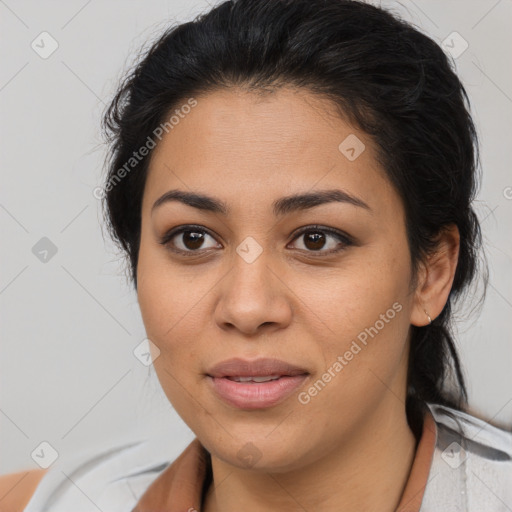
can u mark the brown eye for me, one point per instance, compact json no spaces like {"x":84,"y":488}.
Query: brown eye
{"x":187,"y":240}
{"x":192,"y":239}
{"x":315,"y":239}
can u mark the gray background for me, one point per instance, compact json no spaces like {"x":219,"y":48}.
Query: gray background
{"x":68,"y":374}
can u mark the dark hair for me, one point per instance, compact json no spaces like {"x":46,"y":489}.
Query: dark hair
{"x":382,"y":74}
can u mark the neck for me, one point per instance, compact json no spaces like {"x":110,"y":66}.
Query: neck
{"x":367,"y":472}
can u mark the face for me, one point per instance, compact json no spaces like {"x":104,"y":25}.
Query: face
{"x":320,"y":284}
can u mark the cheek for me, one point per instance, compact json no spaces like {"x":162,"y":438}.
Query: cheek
{"x":361,"y":364}
{"x":165,"y":296}
{"x":172,"y":313}
{"x":169,"y":320}
{"x":365,"y":320}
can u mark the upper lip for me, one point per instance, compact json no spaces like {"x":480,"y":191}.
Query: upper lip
{"x":237,"y":367}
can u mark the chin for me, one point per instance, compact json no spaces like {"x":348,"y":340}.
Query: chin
{"x":261,"y":453}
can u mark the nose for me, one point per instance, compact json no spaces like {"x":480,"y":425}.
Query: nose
{"x":253,"y":298}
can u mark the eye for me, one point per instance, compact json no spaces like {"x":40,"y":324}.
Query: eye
{"x":316,"y":238}
{"x":189,"y":239}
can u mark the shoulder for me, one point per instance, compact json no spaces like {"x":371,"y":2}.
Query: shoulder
{"x":16,"y":489}
{"x":474,"y":432}
{"x":471,"y":466}
{"x":111,"y":477}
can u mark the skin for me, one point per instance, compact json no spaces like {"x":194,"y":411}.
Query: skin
{"x":16,"y":489}
{"x":351,"y":444}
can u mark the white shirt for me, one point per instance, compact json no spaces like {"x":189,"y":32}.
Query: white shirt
{"x":471,"y":471}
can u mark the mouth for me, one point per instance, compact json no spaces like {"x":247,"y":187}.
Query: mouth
{"x":262,"y":367}
{"x":255,"y":384}
{"x":255,"y":392}
{"x":256,"y":379}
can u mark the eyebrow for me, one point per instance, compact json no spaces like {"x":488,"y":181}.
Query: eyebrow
{"x":282,"y":206}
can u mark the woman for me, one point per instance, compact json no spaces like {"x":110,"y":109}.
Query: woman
{"x":292,"y":182}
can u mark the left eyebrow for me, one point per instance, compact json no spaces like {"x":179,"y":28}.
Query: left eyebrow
{"x":281,"y":206}
{"x":305,"y":201}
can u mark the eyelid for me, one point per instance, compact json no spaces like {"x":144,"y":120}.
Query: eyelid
{"x":178,"y":230}
{"x":343,"y":237}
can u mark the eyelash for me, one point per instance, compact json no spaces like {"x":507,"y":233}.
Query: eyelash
{"x":342,"y":237}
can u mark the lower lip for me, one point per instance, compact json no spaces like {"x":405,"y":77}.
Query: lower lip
{"x":256,"y":395}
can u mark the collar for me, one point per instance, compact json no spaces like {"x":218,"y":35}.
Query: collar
{"x":182,"y":485}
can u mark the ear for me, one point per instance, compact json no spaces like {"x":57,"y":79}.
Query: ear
{"x":436,"y":277}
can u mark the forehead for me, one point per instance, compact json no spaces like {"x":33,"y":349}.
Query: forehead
{"x":243,"y":146}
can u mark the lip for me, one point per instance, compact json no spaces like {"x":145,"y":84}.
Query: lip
{"x":255,"y":395}
{"x":237,"y":367}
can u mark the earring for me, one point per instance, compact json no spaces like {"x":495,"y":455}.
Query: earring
{"x":428,"y":316}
